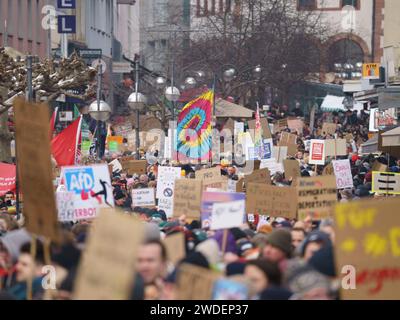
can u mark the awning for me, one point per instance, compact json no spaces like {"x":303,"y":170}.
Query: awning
{"x":389,"y":97}
{"x":370,"y":146}
{"x":335,"y":103}
{"x":226,"y":109}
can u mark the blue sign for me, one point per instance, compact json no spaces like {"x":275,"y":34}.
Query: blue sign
{"x":78,"y":180}
{"x":66,"y":4}
{"x":66,"y":24}
{"x":267,"y":150}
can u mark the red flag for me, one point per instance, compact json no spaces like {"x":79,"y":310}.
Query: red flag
{"x":53,"y":122}
{"x":7,"y":178}
{"x":64,"y":146}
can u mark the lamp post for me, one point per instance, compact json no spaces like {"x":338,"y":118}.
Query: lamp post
{"x":137,"y":101}
{"x":99,"y":110}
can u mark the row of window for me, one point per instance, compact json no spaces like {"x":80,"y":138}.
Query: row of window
{"x":212,"y":7}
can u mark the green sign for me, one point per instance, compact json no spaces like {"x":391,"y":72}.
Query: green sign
{"x":113,"y":146}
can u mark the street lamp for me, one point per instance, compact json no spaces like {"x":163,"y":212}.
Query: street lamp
{"x":160,"y":82}
{"x":229,"y":74}
{"x":172,"y":94}
{"x":100,"y":110}
{"x":190,"y":83}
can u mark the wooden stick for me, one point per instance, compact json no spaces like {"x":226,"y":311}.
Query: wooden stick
{"x":335,"y":149}
{"x":224,"y":240}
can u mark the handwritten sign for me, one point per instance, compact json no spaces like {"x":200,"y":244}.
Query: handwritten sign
{"x":329,"y":128}
{"x":343,"y":176}
{"x":165,"y":188}
{"x":217,"y":183}
{"x":107,"y":269}
{"x":317,"y":152}
{"x":187,"y":198}
{"x":35,"y":169}
{"x":134,"y":166}
{"x":292,"y":168}
{"x":385,"y":182}
{"x":367,"y":238}
{"x":271,"y":200}
{"x":227,"y":215}
{"x":316,"y":196}
{"x":335,"y":147}
{"x":208,"y":174}
{"x":143,"y":197}
{"x":260,"y":176}
{"x":296,"y":124}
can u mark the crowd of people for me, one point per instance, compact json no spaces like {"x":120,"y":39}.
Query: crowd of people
{"x":274,"y":257}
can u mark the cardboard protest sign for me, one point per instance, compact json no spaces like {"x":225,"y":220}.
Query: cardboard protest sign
{"x":35,"y":168}
{"x":292,"y":168}
{"x":316,"y":196}
{"x":385,"y":182}
{"x":328,"y":170}
{"x":134,"y":166}
{"x":210,"y":198}
{"x":208,"y":174}
{"x":227,"y":215}
{"x":175,"y":246}
{"x":143,"y":197}
{"x":271,"y":200}
{"x":259,"y":176}
{"x":116,"y":166}
{"x":264,"y":125}
{"x":317,"y":152}
{"x":217,"y":183}
{"x":335,"y":147}
{"x":378,"y":166}
{"x":329,"y":128}
{"x":201,"y":282}
{"x":367,"y":239}
{"x":349,"y":137}
{"x":268,"y":146}
{"x":91,"y":186}
{"x":272,"y":165}
{"x":296,"y":125}
{"x":187,"y":198}
{"x":287,"y":138}
{"x":343,"y":176}
{"x":280,"y":125}
{"x":107,"y":268}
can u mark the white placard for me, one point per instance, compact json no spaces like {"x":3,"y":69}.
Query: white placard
{"x":167,"y":205}
{"x":317,"y":152}
{"x":272,"y":165}
{"x":343,"y":176}
{"x":166,"y":181}
{"x":280,"y":153}
{"x":227,"y":215}
{"x":232,"y":185}
{"x":143,"y":197}
{"x":116,"y":165}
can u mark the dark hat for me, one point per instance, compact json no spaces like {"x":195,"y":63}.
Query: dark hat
{"x":238,"y":233}
{"x":235,"y":268}
{"x":196,"y":258}
{"x":323,"y":261}
{"x":315,"y":236}
{"x":243,"y":245}
{"x":281,"y":239}
{"x":275,"y":293}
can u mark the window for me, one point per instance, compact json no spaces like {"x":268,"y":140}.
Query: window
{"x":353,"y":3}
{"x":306,"y":4}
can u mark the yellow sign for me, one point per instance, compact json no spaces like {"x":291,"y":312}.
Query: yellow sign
{"x":371,"y":70}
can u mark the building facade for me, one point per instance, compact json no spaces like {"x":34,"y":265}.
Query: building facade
{"x":21,"y":28}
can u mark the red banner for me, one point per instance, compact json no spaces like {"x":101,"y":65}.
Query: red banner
{"x":7,"y":178}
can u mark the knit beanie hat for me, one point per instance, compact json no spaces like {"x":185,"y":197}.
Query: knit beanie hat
{"x":281,"y":239}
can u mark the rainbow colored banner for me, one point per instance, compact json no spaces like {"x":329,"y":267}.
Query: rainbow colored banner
{"x":194,"y":129}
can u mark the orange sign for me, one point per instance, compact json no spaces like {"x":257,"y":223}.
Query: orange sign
{"x":371,"y":70}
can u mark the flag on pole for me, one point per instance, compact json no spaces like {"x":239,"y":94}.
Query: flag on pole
{"x":258,"y":143}
{"x":53,"y":122}
{"x":64,"y":146}
{"x":194,"y":129}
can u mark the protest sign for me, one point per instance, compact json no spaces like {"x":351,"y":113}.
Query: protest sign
{"x":343,"y":176}
{"x":271,"y":200}
{"x":329,"y":128}
{"x":266,"y":132}
{"x":208,"y":174}
{"x":116,"y":166}
{"x":272,"y":165}
{"x":143,"y":197}
{"x":201,"y":282}
{"x":259,"y":176}
{"x":227,"y":290}
{"x":65,"y":206}
{"x":287,"y":138}
{"x":107,"y":268}
{"x":349,"y":137}
{"x":7,"y":178}
{"x":335,"y":147}
{"x":217,"y":183}
{"x":280,"y":153}
{"x":385,"y":182}
{"x":227,"y":215}
{"x":92,"y":189}
{"x":317,"y":152}
{"x":268,"y":145}
{"x":378,"y":166}
{"x":35,"y":169}
{"x":316,"y":196}
{"x":232,"y":185}
{"x":117,"y":139}
{"x":328,"y":170}
{"x":210,"y":198}
{"x":238,"y":128}
{"x":367,"y":240}
{"x":175,"y":246}
{"x":296,"y":125}
{"x":187,"y":198}
{"x":292,"y":168}
{"x":134,"y":166}
{"x":165,"y":188}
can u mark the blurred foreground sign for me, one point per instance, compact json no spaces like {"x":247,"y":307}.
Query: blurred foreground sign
{"x":367,"y":249}
{"x":35,"y":169}
{"x":107,"y":268}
